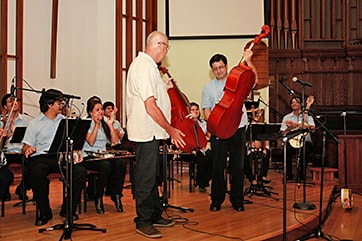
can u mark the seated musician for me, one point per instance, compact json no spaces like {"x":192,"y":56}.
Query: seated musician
{"x":257,"y":151}
{"x":109,"y":110}
{"x":37,"y":141}
{"x":6,"y":175}
{"x":293,"y":121}
{"x":203,"y":157}
{"x":111,"y":171}
{"x":12,"y":120}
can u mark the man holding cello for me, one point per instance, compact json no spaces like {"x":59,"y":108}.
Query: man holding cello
{"x":149,"y":116}
{"x":233,"y":146}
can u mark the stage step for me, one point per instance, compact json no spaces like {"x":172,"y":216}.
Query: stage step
{"x":328,"y":175}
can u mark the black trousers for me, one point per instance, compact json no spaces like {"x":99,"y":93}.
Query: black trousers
{"x":39,"y":168}
{"x":6,"y":178}
{"x":17,"y":158}
{"x":111,"y":173}
{"x":235,"y":148}
{"x":146,"y":180}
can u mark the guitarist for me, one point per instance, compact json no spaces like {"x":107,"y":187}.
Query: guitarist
{"x":294,"y":121}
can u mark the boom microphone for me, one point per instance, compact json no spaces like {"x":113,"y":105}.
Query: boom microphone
{"x":290,"y":91}
{"x":302,"y":82}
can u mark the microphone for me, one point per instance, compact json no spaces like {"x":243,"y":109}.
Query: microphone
{"x":290,"y":91}
{"x":302,"y":82}
{"x":25,"y":113}
{"x":71,"y":96}
{"x":12,"y":89}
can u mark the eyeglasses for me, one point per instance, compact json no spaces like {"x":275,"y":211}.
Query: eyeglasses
{"x":218,"y":68}
{"x":167,"y":45}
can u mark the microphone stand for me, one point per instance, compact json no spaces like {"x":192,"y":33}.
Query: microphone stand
{"x":303,"y":205}
{"x":317,"y":232}
{"x":285,"y":139}
{"x":273,"y":110}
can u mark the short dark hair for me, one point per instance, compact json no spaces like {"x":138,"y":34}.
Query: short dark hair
{"x":297,"y":98}
{"x":48,"y":98}
{"x":217,"y":58}
{"x":107,"y":103}
{"x":3,"y":100}
{"x":194,"y":104}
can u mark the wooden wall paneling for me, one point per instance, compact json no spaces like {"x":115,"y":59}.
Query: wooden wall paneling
{"x":352,"y":161}
{"x":279,"y":23}
{"x":260,"y":61}
{"x":286,"y":25}
{"x":272,"y":21}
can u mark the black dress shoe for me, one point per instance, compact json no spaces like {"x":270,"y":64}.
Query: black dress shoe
{"x":214,"y":207}
{"x":239,"y":208}
{"x":117,"y":202}
{"x":19,"y":192}
{"x":42,"y":220}
{"x":64,"y":215}
{"x":99,"y":205}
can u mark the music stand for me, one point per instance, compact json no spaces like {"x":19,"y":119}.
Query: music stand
{"x":261,"y":132}
{"x":165,"y":175}
{"x":63,"y":142}
{"x":18,"y":134}
{"x":78,"y":131}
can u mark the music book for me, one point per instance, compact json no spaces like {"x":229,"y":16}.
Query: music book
{"x":77,"y":131}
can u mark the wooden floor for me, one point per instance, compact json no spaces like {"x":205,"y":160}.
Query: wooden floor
{"x":262,"y":220}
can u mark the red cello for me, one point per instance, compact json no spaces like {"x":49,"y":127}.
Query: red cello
{"x":225,"y":117}
{"x":195,"y":138}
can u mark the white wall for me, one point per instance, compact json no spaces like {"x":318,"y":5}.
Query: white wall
{"x":85,"y":50}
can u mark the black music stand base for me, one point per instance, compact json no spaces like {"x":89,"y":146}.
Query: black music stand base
{"x":260,"y":190}
{"x":68,"y":228}
{"x":165,"y":205}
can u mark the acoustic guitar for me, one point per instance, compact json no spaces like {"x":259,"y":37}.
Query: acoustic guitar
{"x":297,"y":141}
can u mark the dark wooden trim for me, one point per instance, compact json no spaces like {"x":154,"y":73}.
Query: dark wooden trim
{"x":4,"y":46}
{"x":54,"y":34}
{"x":118,"y":56}
{"x":19,"y":63}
